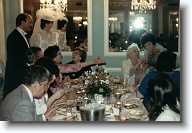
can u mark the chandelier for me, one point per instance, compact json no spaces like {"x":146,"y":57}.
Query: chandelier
{"x":56,"y":5}
{"x":77,"y":19}
{"x":112,"y":19}
{"x":143,"y":5}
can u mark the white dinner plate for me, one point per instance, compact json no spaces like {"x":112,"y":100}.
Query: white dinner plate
{"x":59,"y":117}
{"x":115,"y":110}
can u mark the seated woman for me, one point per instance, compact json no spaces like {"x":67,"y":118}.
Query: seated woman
{"x":132,"y":69}
{"x":149,"y":44}
{"x":54,"y":54}
{"x":78,"y":55}
{"x":166,"y":64}
{"x":163,"y":102}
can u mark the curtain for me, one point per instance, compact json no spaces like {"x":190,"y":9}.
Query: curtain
{"x":2,"y":33}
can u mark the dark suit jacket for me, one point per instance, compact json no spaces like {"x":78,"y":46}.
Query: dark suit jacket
{"x":16,"y":47}
{"x":17,"y":78}
{"x":17,"y":106}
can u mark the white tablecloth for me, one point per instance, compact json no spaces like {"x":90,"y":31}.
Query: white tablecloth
{"x":125,"y":113}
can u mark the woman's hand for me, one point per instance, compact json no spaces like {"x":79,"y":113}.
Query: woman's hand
{"x":133,"y":69}
{"x":95,"y":61}
{"x":67,"y":79}
{"x":144,"y":64}
{"x":50,"y":113}
{"x":61,"y":100}
{"x":71,"y":95}
{"x":98,"y":61}
{"x":70,"y":118}
{"x":54,"y":97}
{"x":57,"y":95}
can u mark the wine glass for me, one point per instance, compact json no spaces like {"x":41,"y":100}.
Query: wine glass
{"x":78,"y":93}
{"x":118,"y":98}
{"x":82,"y":91}
{"x":78,"y":102}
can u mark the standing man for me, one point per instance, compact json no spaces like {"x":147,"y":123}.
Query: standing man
{"x":17,"y":44}
{"x":19,"y":104}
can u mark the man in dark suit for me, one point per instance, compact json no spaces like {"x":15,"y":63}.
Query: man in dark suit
{"x":17,"y":44}
{"x":19,"y":104}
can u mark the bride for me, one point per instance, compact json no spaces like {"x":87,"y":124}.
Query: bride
{"x":42,"y":33}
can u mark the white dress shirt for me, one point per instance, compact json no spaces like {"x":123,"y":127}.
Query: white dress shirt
{"x":23,"y":33}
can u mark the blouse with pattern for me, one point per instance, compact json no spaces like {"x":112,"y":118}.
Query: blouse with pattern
{"x":64,"y":68}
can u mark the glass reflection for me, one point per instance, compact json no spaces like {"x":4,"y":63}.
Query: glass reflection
{"x":77,"y":26}
{"x":126,"y":25}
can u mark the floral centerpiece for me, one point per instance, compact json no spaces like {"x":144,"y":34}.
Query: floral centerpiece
{"x":98,"y":82}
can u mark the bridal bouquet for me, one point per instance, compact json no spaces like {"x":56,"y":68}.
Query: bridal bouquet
{"x":98,"y":82}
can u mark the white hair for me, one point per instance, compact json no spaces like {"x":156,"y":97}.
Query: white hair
{"x":131,"y":46}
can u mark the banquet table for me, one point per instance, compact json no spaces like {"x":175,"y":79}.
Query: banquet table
{"x":132,"y":110}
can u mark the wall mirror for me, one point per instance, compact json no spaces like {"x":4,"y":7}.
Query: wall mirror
{"x":78,"y":27}
{"x":120,"y":21}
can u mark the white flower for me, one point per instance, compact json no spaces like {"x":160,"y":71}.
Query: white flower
{"x":86,"y":82}
{"x":102,"y":81}
{"x":100,"y":89}
{"x":86,"y":73}
{"x":105,"y":71}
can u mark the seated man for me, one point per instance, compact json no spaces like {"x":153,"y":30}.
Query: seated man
{"x":18,"y":105}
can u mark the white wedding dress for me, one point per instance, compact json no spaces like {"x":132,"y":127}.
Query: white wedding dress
{"x":43,"y":39}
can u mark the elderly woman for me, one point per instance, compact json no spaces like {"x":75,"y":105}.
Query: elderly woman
{"x":78,"y":55}
{"x":133,"y":69}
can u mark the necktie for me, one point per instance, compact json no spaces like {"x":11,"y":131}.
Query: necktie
{"x":34,"y":106}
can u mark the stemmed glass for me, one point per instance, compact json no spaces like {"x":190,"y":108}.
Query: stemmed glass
{"x":78,"y":102}
{"x":118,"y":98}
{"x":85,"y":100}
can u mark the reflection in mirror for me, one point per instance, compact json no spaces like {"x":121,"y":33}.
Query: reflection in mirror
{"x":123,"y":22}
{"x":77,"y":26}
